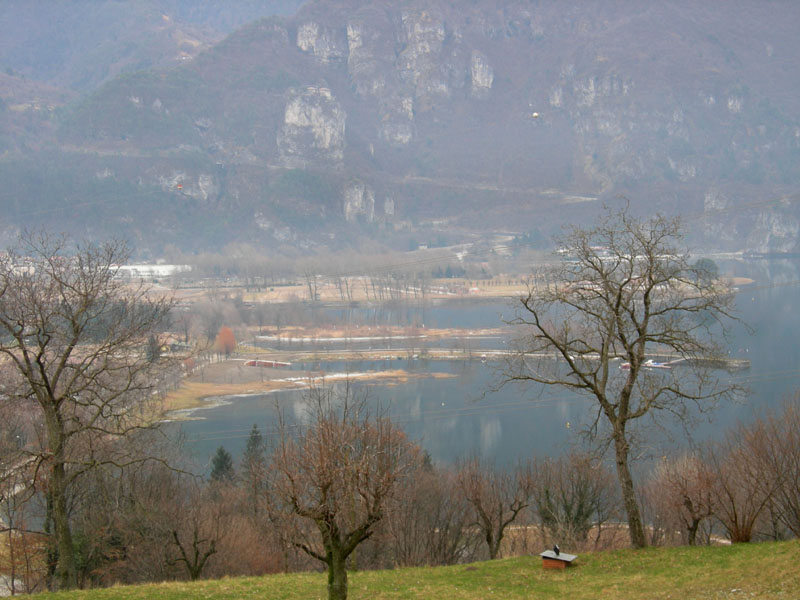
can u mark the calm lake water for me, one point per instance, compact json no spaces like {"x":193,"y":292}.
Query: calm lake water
{"x":458,"y":416}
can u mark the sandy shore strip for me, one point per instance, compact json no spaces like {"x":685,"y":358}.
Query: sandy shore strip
{"x":220,"y":382}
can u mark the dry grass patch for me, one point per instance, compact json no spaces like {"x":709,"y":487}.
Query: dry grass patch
{"x":196,"y":394}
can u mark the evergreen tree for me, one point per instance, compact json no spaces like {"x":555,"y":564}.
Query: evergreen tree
{"x":253,"y":468}
{"x":222,"y":466}
{"x":254,"y":451}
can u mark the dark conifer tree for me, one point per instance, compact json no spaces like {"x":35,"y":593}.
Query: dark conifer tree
{"x":254,"y":468}
{"x":222,"y":466}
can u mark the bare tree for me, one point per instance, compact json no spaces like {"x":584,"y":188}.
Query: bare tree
{"x":784,"y":462}
{"x":74,"y":340}
{"x":194,"y":549}
{"x":624,"y":291}
{"x":123,"y":519}
{"x":572,"y":495}
{"x":209,"y":316}
{"x":497,"y":497}
{"x":682,"y":490}
{"x":310,"y":275}
{"x":742,"y":490}
{"x":430,"y":521}
{"x":337,"y":471}
{"x":23,"y":552}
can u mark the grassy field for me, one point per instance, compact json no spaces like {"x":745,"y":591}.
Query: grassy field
{"x":769,"y":570}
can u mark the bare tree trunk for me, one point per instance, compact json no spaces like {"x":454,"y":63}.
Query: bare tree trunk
{"x":337,"y":576}
{"x":635,"y":525}
{"x":494,"y":545}
{"x":12,"y":557}
{"x":195,"y":559}
{"x":692,"y":531}
{"x":365,"y":281}
{"x":66,"y":570}
{"x":67,"y":574}
{"x":349,"y":288}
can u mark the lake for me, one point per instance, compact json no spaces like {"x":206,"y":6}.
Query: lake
{"x":457,"y":416}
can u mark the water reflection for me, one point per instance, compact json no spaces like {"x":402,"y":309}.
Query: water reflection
{"x":455,"y":417}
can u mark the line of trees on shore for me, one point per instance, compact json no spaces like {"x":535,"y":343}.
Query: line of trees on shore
{"x":345,"y":489}
{"x":253,"y":269}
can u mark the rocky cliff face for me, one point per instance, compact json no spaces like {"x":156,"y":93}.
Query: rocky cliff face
{"x":774,"y":231}
{"x":313,"y":128}
{"x":439,"y":111}
{"x":482,"y":74}
{"x":359,"y":201}
{"x":325,"y":44}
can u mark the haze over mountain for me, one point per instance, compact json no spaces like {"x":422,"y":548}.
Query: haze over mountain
{"x":80,"y":44}
{"x":391,"y":120}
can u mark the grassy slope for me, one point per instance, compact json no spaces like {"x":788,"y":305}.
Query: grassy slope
{"x":741,"y":571}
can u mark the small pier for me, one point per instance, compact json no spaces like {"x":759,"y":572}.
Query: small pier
{"x":721,"y":362}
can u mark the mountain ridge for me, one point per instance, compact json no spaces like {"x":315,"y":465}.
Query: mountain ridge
{"x":416,"y":112}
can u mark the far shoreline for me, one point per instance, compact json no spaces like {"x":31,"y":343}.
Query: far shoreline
{"x":193,"y":395}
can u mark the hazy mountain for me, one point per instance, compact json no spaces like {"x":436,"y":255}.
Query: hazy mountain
{"x":393,"y":117}
{"x":79,"y":44}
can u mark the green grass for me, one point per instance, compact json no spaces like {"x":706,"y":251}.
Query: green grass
{"x":742,"y":571}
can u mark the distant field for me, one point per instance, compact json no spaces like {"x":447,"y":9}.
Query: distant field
{"x":768,"y":570}
{"x":496,"y":287}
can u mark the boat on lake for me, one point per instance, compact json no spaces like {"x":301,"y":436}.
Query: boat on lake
{"x":648,"y":364}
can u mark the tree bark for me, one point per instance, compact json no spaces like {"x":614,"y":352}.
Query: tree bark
{"x":488,"y":529}
{"x":494,"y":547}
{"x":67,"y":573}
{"x":635,"y":525}
{"x":66,"y":570}
{"x":692,"y":531}
{"x":337,"y":576}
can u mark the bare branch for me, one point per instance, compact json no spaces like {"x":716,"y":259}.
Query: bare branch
{"x":624,"y":295}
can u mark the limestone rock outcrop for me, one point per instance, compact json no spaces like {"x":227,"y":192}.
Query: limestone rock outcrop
{"x":313,"y":128}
